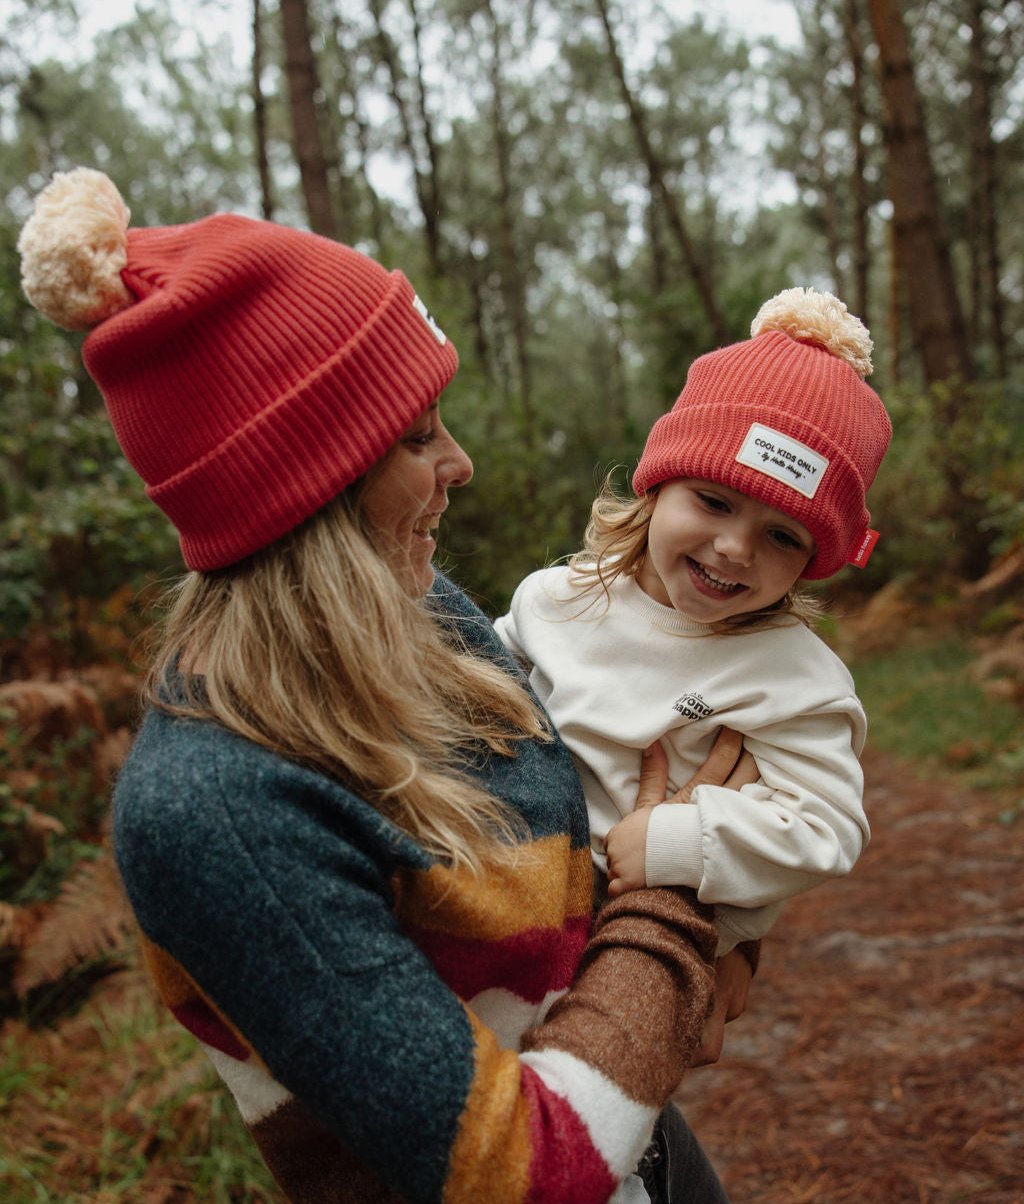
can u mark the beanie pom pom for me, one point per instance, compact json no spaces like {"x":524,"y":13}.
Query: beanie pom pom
{"x":821,"y":320}
{"x":73,"y":249}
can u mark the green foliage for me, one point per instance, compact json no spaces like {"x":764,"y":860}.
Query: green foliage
{"x":976,"y":433}
{"x":59,"y":782}
{"x":76,"y":522}
{"x":923,"y":708}
{"x":140,"y":1109}
{"x":613,"y":317}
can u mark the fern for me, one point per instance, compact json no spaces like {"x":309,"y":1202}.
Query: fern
{"x":90,"y":920}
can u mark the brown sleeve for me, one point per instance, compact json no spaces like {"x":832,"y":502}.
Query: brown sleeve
{"x":637,"y":1008}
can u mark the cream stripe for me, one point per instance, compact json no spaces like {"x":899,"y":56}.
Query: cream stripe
{"x":508,"y":1016}
{"x":256,"y":1093}
{"x":619,"y":1127}
{"x":631,"y":1191}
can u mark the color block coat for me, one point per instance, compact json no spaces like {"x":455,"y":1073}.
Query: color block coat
{"x":389,"y":1028}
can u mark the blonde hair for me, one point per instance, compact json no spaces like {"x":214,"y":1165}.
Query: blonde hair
{"x":312,"y":649}
{"x":615,"y":544}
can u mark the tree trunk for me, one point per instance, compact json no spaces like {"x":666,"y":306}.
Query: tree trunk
{"x":303,"y":88}
{"x":347,"y":86}
{"x":936,"y":318}
{"x":858,"y":183}
{"x":513,"y":277}
{"x":922,"y":252}
{"x":259,"y":112}
{"x":894,"y":312}
{"x":820,"y":122}
{"x":983,"y":210}
{"x":435,"y":215}
{"x":659,"y":277}
{"x":425,"y":189}
{"x":659,"y":184}
{"x":612,"y":342}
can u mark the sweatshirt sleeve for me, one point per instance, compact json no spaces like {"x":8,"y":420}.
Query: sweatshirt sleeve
{"x":803,"y":823}
{"x":507,"y":628}
{"x":274,"y":890}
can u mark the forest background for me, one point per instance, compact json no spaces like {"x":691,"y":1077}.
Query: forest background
{"x":587,"y":194}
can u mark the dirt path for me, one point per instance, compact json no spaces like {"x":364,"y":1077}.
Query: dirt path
{"x":882,"y":1059}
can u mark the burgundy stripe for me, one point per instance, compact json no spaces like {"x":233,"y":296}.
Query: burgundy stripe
{"x":530,"y":964}
{"x":555,"y":1131}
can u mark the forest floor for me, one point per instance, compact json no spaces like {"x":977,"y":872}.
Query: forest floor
{"x":882,"y":1055}
{"x":881,"y":1060}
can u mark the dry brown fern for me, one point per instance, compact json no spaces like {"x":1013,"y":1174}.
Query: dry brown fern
{"x":1000,"y":666}
{"x":44,"y":711}
{"x":8,"y":924}
{"x":90,"y":919}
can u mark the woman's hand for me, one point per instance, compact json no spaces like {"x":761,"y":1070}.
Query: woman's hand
{"x":727,"y":764}
{"x":732,"y":985}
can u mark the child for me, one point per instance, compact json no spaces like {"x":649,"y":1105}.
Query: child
{"x":679,"y":617}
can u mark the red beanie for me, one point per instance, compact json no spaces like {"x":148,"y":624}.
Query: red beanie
{"x":251,"y":371}
{"x":787,"y":419}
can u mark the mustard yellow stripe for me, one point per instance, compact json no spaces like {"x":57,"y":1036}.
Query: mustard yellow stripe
{"x":176,"y":988}
{"x":549,"y":883}
{"x":491,"y":1155}
{"x":171,"y":981}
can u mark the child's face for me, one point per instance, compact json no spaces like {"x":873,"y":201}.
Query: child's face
{"x":714,"y":553}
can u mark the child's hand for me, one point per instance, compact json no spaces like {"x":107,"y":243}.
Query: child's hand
{"x":626,"y":846}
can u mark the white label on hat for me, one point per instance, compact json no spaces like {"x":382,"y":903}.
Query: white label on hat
{"x":424,"y":313}
{"x":784,"y":458}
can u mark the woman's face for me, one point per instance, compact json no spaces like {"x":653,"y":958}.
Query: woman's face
{"x":407,"y":493}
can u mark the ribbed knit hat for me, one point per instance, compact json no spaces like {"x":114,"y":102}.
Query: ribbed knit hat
{"x":786,"y":418}
{"x":251,"y":371}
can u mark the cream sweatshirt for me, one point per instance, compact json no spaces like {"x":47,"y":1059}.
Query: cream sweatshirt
{"x":618,"y":673}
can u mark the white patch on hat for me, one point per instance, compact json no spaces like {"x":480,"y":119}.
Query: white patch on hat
{"x":424,"y":313}
{"x":784,"y":458}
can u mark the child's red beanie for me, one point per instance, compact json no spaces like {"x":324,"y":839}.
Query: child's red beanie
{"x":786,"y":418}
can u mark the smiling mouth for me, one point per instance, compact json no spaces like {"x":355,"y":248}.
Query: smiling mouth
{"x":722,"y":587}
{"x":426,"y":528}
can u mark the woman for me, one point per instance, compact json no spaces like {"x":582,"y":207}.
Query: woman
{"x":358,"y":856}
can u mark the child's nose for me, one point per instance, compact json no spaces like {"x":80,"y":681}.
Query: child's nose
{"x":736,"y":543}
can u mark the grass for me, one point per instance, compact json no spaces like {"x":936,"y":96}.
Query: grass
{"x":924,"y":708}
{"x":120,"y":1105}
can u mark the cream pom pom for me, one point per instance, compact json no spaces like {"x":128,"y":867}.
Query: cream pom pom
{"x":73,"y":249}
{"x":821,"y":319}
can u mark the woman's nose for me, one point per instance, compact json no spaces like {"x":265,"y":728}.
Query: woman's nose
{"x":456,"y":468}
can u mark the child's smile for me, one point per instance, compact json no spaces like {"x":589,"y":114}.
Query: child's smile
{"x":714,"y":552}
{"x":714,"y":586}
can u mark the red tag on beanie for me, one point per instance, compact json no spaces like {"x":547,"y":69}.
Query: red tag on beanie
{"x":864,"y":549}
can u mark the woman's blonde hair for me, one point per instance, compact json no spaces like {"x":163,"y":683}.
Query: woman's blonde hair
{"x":615,"y":544}
{"x":311,"y":648}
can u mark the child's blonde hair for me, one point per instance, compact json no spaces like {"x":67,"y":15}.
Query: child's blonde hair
{"x":615,"y":544}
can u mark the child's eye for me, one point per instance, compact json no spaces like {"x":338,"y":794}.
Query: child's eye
{"x":785,"y":539}
{"x":714,"y":503}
